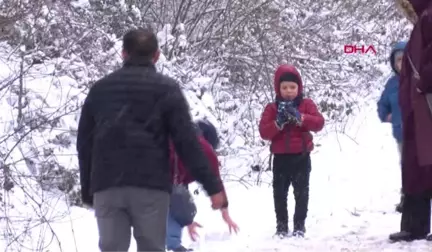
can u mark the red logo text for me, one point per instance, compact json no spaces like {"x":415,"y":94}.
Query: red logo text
{"x":359,"y":49}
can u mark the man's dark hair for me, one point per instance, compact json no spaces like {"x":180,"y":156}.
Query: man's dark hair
{"x":140,"y":43}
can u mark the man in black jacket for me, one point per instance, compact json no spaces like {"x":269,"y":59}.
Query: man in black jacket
{"x":123,"y":150}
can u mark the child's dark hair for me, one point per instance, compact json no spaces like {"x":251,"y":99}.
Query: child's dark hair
{"x":209,"y":132}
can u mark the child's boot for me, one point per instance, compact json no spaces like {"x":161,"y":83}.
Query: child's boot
{"x":182,"y":249}
{"x":299,"y":229}
{"x":281,"y":230}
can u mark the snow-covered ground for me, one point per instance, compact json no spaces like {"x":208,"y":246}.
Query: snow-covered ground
{"x":354,"y":189}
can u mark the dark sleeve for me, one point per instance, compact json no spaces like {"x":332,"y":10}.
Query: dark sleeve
{"x":184,"y":137}
{"x":84,"y":147}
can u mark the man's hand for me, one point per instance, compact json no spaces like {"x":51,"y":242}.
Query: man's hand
{"x":218,"y":200}
{"x":231,"y":224}
{"x":87,"y":206}
{"x":192,"y":229}
{"x":87,"y":199}
{"x":389,"y":118}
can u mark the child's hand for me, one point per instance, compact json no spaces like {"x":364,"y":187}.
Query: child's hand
{"x":294,"y":112}
{"x":192,"y":229}
{"x":281,"y":119}
{"x":294,"y":121}
{"x":389,"y":118}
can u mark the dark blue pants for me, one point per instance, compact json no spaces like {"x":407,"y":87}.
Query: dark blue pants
{"x":174,"y":233}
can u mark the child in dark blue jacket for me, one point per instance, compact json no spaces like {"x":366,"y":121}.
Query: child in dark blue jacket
{"x":388,"y":104}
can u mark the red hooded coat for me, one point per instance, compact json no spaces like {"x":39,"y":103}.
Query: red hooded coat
{"x":291,"y":139}
{"x":183,"y":175}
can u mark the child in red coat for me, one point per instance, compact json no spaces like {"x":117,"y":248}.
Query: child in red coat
{"x":287,"y":123}
{"x":208,"y":140}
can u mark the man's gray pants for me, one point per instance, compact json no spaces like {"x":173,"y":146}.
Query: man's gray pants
{"x":119,"y":209}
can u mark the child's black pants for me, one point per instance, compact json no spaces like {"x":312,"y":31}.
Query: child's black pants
{"x":291,"y":169}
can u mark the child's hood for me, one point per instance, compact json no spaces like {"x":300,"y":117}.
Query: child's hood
{"x":399,"y":46}
{"x":283,"y":69}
